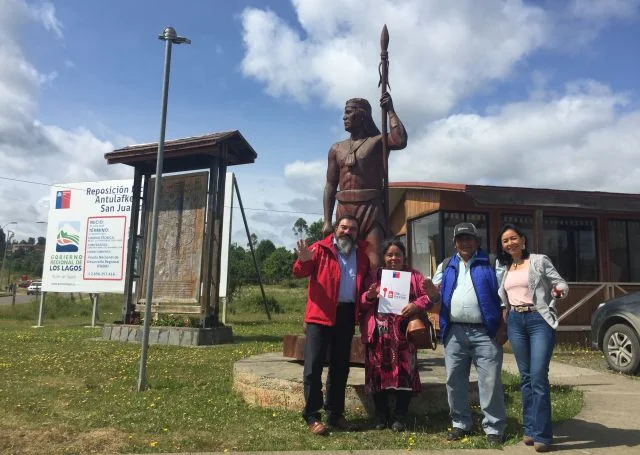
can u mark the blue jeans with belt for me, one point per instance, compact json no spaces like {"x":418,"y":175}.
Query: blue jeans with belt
{"x":466,"y":344}
{"x":532,"y":340}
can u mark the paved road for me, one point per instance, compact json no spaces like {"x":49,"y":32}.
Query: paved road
{"x":20,"y":298}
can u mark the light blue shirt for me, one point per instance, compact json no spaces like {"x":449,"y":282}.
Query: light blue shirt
{"x":464,"y":301}
{"x":348,"y":267}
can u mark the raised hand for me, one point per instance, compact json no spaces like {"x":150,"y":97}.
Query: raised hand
{"x":386,"y":102}
{"x":557,"y":292}
{"x":304,"y":254}
{"x":372,"y":292}
{"x":409,"y":310}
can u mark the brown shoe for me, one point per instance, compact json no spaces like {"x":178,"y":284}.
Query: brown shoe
{"x":528,"y":440}
{"x":342,"y":424}
{"x":541,"y":447}
{"x":318,"y":428}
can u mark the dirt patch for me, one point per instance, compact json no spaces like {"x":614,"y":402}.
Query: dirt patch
{"x":50,"y":441}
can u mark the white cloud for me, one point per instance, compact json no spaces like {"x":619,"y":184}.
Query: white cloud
{"x":45,"y":13}
{"x":579,"y":136}
{"x":581,"y":139}
{"x":34,"y":155}
{"x":306,"y":178}
{"x":439,"y":51}
{"x":603,"y":10}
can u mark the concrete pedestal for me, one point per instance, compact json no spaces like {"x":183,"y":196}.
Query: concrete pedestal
{"x":179,"y":336}
{"x":274,"y":381}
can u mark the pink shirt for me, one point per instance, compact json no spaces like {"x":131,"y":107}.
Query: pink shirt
{"x":517,"y":286}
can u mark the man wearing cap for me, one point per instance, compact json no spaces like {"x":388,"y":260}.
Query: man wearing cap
{"x":473,"y":331}
{"x":355,"y":167}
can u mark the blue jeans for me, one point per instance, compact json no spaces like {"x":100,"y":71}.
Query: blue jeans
{"x":466,"y":344}
{"x":532,"y":341}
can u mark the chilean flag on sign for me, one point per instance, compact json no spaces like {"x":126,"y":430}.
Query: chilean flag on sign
{"x":396,"y":274}
{"x":63,"y":199}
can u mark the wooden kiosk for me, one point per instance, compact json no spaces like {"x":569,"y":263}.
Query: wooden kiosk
{"x":187,"y":269}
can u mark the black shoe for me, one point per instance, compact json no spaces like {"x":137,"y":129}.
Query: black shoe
{"x":398,"y":426}
{"x":342,"y":424}
{"x":381,"y":422}
{"x":456,"y":434}
{"x":495,"y":439}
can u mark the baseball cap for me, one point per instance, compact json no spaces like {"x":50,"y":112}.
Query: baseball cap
{"x":465,"y":229}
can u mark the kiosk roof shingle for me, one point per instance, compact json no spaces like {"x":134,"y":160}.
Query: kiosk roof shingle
{"x":184,"y":154}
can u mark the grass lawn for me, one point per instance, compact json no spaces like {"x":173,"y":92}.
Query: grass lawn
{"x":64,"y":391}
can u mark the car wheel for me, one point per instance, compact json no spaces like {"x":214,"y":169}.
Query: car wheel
{"x":622,"y":349}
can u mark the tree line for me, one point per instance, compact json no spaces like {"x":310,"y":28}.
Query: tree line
{"x":275,"y":264}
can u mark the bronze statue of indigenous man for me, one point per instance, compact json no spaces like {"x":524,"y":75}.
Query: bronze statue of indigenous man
{"x":355,"y":173}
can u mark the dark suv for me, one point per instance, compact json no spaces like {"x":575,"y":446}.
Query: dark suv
{"x":615,"y":326}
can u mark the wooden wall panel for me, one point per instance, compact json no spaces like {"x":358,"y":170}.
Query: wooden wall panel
{"x":416,"y":202}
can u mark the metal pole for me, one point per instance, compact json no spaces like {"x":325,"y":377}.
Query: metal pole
{"x":253,"y":254}
{"x":94,"y":315}
{"x":7,"y":239}
{"x":170,"y":37}
{"x":41,"y":310}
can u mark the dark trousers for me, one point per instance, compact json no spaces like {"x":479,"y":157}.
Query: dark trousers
{"x":336,"y":340}
{"x":381,"y":401}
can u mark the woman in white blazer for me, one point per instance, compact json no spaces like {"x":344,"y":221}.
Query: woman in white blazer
{"x":529,"y":287}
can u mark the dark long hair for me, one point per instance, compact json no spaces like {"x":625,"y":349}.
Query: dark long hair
{"x":394,"y":242}
{"x":504,"y":257}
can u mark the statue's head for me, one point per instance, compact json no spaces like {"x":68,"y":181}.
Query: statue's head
{"x":357,"y":115}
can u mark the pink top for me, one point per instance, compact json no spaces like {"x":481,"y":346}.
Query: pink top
{"x":517,"y":286}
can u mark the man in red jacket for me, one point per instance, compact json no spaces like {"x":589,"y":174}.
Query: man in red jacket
{"x":336,"y":267}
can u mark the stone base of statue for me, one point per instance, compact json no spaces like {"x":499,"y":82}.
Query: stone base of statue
{"x":274,"y":381}
{"x":179,"y":336}
{"x":293,"y":347}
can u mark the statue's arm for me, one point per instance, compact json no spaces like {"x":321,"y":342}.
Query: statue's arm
{"x":397,"y":136}
{"x":330,"y":190}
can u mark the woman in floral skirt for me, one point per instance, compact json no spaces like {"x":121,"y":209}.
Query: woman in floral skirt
{"x":391,"y":362}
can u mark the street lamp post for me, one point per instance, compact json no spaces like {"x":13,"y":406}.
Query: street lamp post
{"x":7,"y":239}
{"x":170,"y":37}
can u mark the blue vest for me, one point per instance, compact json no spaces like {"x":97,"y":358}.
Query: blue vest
{"x":485,"y":284}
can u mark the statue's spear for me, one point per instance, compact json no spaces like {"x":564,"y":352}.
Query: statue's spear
{"x":383,"y":84}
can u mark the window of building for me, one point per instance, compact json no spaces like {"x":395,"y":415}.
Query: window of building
{"x":524,"y":222}
{"x":571,"y":244}
{"x":425,"y":243}
{"x":624,"y":251}
{"x":432,"y":237}
{"x":450,"y":219}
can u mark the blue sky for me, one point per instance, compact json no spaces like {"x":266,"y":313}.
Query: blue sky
{"x":517,"y":93}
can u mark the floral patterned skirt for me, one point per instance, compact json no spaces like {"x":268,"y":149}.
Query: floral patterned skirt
{"x":391,"y":361}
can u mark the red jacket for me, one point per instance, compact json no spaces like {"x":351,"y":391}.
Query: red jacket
{"x":324,"y":282}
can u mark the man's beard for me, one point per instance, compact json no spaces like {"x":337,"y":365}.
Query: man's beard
{"x":345,"y":244}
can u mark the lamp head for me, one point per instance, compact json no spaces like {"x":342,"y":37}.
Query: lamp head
{"x":170,"y":34}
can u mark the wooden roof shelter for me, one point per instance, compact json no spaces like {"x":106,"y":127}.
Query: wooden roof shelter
{"x":213,"y":152}
{"x":187,"y":153}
